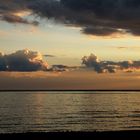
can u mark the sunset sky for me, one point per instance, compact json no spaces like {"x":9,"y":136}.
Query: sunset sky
{"x":35,"y":35}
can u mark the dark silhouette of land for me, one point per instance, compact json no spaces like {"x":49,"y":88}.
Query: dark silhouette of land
{"x":76,"y":135}
{"x":67,"y":90}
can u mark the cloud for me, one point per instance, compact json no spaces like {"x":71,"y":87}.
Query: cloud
{"x":48,"y":55}
{"x":93,"y":62}
{"x":11,"y":18}
{"x":60,"y":68}
{"x":122,"y":47}
{"x":95,"y":17}
{"x":100,"y":31}
{"x":15,"y":11}
{"x":109,"y":15}
{"x":22,"y":60}
{"x":27,"y":60}
{"x":14,"y":19}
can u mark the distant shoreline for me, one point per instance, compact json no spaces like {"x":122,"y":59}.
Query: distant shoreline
{"x":113,"y":135}
{"x":51,"y":90}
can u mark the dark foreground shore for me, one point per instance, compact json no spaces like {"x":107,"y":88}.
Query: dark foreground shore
{"x":76,"y":135}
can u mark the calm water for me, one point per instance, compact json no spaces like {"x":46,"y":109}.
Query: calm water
{"x":68,"y":111}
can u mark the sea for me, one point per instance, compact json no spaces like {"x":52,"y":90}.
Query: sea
{"x":62,"y":111}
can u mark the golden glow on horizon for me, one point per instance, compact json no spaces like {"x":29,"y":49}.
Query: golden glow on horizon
{"x":69,"y":80}
{"x":22,"y":13}
{"x":38,"y":74}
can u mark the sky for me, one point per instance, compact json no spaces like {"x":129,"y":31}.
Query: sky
{"x":68,"y":44}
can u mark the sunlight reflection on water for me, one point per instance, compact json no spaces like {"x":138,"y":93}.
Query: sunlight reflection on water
{"x":52,"y":111}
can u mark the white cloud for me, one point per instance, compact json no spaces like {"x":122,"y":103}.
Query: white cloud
{"x":22,"y":60}
{"x":93,"y":62}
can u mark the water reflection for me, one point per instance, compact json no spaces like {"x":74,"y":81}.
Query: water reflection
{"x":24,"y":112}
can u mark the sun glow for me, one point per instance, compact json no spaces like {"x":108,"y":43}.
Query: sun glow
{"x":22,"y":13}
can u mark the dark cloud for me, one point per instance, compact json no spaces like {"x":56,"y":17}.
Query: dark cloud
{"x":23,"y":60}
{"x":100,"y":31}
{"x":48,"y":55}
{"x":93,"y":62}
{"x":59,"y":68}
{"x":2,"y":62}
{"x":9,"y":8}
{"x":96,"y":17}
{"x":14,"y":19}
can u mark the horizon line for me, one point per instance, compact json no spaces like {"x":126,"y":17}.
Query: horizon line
{"x":67,"y":90}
